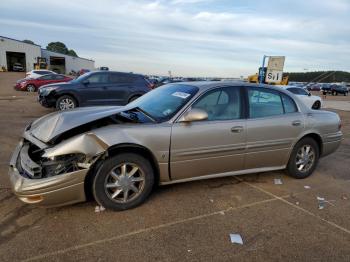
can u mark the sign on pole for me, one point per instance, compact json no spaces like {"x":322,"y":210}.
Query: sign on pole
{"x":274,"y":71}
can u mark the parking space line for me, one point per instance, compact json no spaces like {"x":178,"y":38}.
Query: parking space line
{"x":102,"y":241}
{"x":295,"y":206}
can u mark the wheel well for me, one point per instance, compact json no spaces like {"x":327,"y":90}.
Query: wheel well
{"x":133,"y":96}
{"x":118,"y":149}
{"x":318,"y":140}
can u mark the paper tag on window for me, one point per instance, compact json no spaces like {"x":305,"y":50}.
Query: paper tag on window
{"x":181,"y":95}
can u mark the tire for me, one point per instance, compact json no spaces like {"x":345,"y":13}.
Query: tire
{"x":133,"y":98}
{"x":346,"y":93}
{"x":316,"y":105}
{"x":109,"y":188}
{"x":296,"y":170}
{"x":31,"y":88}
{"x":66,"y":102}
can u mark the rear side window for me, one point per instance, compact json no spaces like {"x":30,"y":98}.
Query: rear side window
{"x":121,"y":78}
{"x":264,"y":103}
{"x":289,"y":104}
{"x":58,"y":77}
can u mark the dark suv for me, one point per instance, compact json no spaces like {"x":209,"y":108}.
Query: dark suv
{"x":94,"y":88}
{"x":334,"y":89}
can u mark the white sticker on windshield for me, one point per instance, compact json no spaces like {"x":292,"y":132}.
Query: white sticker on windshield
{"x":181,"y":95}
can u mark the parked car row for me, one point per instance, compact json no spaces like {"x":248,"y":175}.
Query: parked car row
{"x":334,"y":89}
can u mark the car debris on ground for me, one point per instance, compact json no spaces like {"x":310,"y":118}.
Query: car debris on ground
{"x":236,"y":239}
{"x":278,"y":181}
{"x":99,"y":209}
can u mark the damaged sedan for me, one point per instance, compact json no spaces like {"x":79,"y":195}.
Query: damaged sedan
{"x":179,"y":132}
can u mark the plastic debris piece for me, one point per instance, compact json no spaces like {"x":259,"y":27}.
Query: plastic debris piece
{"x":307,"y":187}
{"x":344,"y":197}
{"x":278,"y":181}
{"x":211,"y":200}
{"x":321,"y":202}
{"x":297,"y":203}
{"x":189,"y":250}
{"x":99,"y":209}
{"x":236,"y":239}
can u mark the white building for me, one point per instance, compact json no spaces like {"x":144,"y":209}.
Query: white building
{"x":14,"y":51}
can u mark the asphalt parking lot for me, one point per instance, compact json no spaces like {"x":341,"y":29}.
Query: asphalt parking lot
{"x":181,"y":222}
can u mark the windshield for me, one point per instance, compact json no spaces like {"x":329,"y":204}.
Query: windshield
{"x":165,"y":101}
{"x":81,"y":78}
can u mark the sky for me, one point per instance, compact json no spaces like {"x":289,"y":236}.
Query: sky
{"x":215,"y":38}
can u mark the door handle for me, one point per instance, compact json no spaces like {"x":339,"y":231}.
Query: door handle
{"x":296,"y":123}
{"x":237,"y":129}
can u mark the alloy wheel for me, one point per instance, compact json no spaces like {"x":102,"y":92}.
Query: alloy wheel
{"x":30,"y":88}
{"x":124,"y":183}
{"x":67,"y":103}
{"x":305,"y":158}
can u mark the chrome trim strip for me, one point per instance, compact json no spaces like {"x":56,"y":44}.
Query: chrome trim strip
{"x":233,"y":173}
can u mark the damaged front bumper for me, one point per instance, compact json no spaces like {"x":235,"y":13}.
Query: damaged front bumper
{"x":51,"y":191}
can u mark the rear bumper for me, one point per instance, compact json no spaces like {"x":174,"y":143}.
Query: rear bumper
{"x":331,"y":143}
{"x":52,"y":191}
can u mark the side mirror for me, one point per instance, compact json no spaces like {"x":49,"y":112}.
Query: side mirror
{"x":86,"y":82}
{"x":194,"y":114}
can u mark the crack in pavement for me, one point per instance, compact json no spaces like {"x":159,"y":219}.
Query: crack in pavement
{"x":296,"y":206}
{"x":102,"y":241}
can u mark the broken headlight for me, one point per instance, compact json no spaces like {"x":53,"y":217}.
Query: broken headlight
{"x":61,"y":164}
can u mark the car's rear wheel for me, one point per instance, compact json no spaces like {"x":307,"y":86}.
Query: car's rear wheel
{"x":316,"y":105}
{"x":346,"y":93}
{"x":123,"y":182}
{"x":304,"y":158}
{"x":31,"y":88}
{"x":66,"y":102}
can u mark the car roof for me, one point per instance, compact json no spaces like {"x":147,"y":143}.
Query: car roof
{"x":204,"y":85}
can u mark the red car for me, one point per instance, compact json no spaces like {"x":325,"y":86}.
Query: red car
{"x":32,"y":85}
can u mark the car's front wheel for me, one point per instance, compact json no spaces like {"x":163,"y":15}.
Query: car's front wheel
{"x":123,"y":182}
{"x":303,"y":159}
{"x":31,"y":88}
{"x":66,"y":102}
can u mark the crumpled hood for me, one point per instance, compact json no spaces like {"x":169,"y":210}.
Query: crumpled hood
{"x":51,"y":125}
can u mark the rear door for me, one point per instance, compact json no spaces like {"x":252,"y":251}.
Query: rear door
{"x":213,"y":146}
{"x":121,"y":86}
{"x":273,"y":125}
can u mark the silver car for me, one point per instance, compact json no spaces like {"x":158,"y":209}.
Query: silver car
{"x":176,"y":133}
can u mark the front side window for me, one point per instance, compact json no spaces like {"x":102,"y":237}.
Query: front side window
{"x":98,"y":79}
{"x":221,"y":104}
{"x":264,"y":103}
{"x":46,"y":77}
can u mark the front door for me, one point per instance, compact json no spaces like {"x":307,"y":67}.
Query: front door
{"x":94,"y":91}
{"x":213,"y":146}
{"x":274,"y":123}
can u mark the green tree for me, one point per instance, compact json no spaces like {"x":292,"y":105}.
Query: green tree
{"x":58,"y":47}
{"x":61,"y":48}
{"x":28,"y":41}
{"x":72,"y":53}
